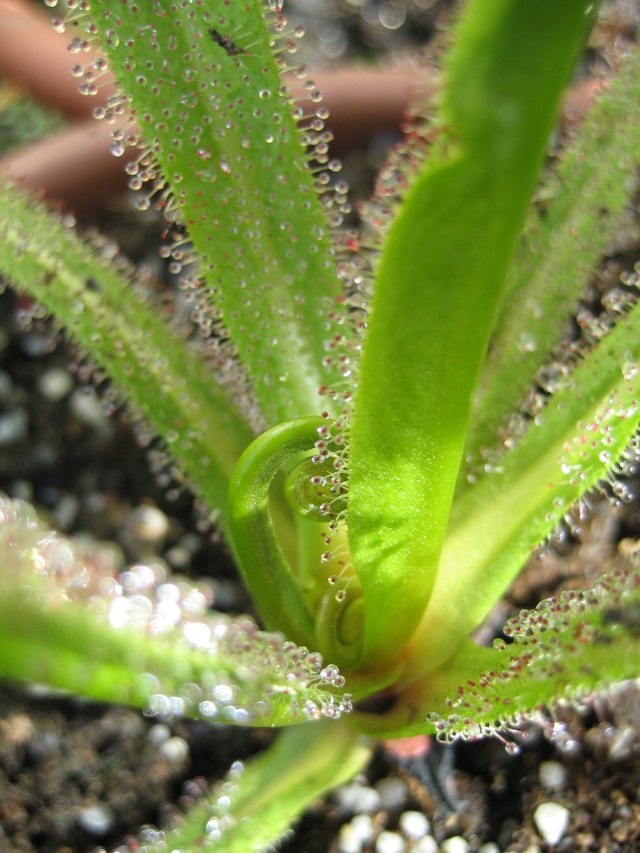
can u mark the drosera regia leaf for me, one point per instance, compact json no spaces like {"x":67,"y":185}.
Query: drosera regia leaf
{"x":561,"y":651}
{"x":569,"y":649}
{"x":254,"y":807}
{"x":580,"y":439}
{"x":107,"y":310}
{"x":69,"y":621}
{"x":276,"y":590}
{"x":574,"y":218}
{"x":231,"y":163}
{"x":436,"y":293}
{"x":281,"y":594}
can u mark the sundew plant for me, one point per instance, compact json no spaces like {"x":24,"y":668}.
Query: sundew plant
{"x":382,"y":423}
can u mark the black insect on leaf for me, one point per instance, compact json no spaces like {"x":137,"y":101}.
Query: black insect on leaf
{"x":225,"y":42}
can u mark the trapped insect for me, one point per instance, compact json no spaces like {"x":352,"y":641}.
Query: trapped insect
{"x":225,"y":42}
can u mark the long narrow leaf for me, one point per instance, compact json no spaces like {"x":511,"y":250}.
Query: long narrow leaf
{"x":567,"y":649}
{"x":67,"y":621}
{"x":437,"y":288}
{"x":256,"y":805}
{"x":565,"y":236}
{"x":230,"y":149}
{"x":108,"y":315}
{"x":579,"y":439}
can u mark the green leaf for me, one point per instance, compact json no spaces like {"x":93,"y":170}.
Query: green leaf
{"x":256,"y":805}
{"x":68,"y":621}
{"x":107,"y":311}
{"x":578,"y":440}
{"x":268,"y":576}
{"x":218,"y":122}
{"x":568,"y":647}
{"x":576,"y":217}
{"x":571,"y":646}
{"x":437,"y":288}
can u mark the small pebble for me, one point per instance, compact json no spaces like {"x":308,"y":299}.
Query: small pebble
{"x":428,"y":844}
{"x":66,"y":510}
{"x":175,"y":750}
{"x":88,"y":409}
{"x":456,"y":844}
{"x":348,"y":841}
{"x":35,"y":345}
{"x":390,"y":842}
{"x":489,"y":847}
{"x":192,"y":542}
{"x":393,"y":792}
{"x":158,"y":733}
{"x":178,"y":558}
{"x":148,"y":524}
{"x":551,"y":820}
{"x":98,"y":819}
{"x":362,"y":826}
{"x":414,"y":825}
{"x":621,"y":746}
{"x":55,"y":384}
{"x":553,"y":775}
{"x":16,"y":730}
{"x":14,"y":427}
{"x":227,"y":595}
{"x":358,"y":799}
